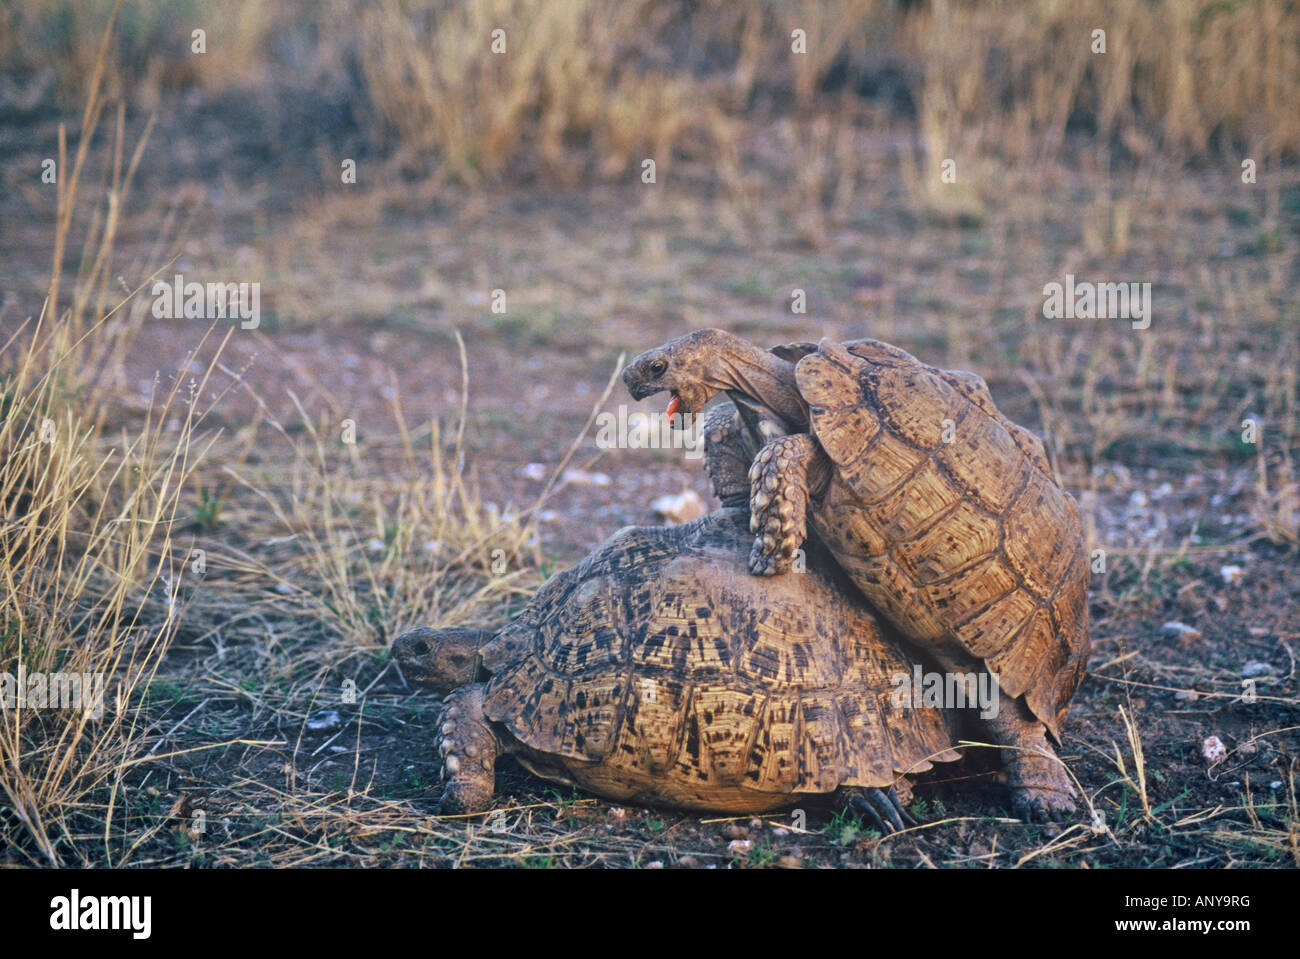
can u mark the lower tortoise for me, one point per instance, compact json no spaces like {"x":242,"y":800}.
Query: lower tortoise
{"x":660,"y":672}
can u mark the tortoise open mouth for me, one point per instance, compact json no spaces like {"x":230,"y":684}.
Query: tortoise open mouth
{"x":674,"y":405}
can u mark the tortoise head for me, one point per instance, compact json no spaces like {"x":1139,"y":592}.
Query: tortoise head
{"x":692,"y":367}
{"x":440,"y":659}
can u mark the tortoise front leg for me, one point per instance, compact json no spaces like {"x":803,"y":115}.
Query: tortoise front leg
{"x":469,"y":750}
{"x":778,"y":500}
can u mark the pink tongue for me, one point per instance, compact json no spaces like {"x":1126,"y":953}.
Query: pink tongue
{"x":674,"y":405}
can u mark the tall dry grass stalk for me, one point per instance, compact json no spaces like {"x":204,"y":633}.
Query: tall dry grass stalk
{"x":391,"y":533}
{"x":91,"y":570}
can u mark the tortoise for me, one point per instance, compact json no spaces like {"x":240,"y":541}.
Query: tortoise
{"x":942,"y":511}
{"x":659,"y":672}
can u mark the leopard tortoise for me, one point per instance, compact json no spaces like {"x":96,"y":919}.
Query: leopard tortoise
{"x":659,"y":672}
{"x":941,"y":510}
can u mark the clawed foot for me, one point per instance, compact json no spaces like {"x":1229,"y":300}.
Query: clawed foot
{"x":1041,"y":789}
{"x":763,"y":563}
{"x":880,"y":806}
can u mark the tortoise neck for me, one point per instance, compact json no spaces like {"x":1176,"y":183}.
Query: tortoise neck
{"x":744,"y":368}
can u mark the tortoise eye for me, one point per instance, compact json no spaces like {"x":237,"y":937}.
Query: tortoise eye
{"x":658,"y":368}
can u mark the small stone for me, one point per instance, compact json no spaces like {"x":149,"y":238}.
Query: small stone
{"x":583,"y":478}
{"x":375,"y":545}
{"x":1275,"y":784}
{"x":1180,"y":630}
{"x":1231,"y":573}
{"x":734,"y":830}
{"x":756,"y":823}
{"x":739,"y":847}
{"x":655,"y":864}
{"x":1213,"y":750}
{"x":789,"y":862}
{"x":533,"y":471}
{"x":1187,"y":695}
{"x":780,"y":832}
{"x":1256,"y":668}
{"x":1248,"y":748}
{"x":1258,"y":631}
{"x":324,"y":721}
{"x":688,"y":862}
{"x":682,"y":508}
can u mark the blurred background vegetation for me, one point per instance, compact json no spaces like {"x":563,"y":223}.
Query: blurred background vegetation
{"x":592,"y":87}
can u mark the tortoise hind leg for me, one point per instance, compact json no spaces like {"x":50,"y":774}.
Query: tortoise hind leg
{"x":883,"y":807}
{"x":469,"y":750}
{"x":1041,"y":788}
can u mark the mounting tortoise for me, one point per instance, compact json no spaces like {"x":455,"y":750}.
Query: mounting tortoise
{"x":941,"y":510}
{"x":659,"y":672}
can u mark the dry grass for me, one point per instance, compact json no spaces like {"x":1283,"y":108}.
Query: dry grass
{"x":92,"y":570}
{"x":588,"y":89}
{"x":99,"y":578}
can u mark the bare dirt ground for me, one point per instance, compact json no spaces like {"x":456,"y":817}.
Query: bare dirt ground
{"x":362,"y":288}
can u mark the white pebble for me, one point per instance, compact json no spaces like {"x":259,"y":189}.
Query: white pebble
{"x":583,"y":478}
{"x":325,"y":719}
{"x":1213,"y":750}
{"x":1231,"y":574}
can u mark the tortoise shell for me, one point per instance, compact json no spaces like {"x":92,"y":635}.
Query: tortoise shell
{"x":947,"y":516}
{"x":660,"y":671}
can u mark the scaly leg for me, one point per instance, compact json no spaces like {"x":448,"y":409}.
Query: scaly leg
{"x":778,"y":501}
{"x":469,"y":750}
{"x":1041,"y":789}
